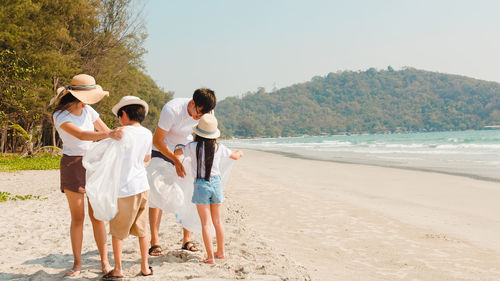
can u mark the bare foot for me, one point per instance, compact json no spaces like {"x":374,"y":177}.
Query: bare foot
{"x":112,"y":275}
{"x":208,"y":261}
{"x":72,"y":274}
{"x":107,"y":268}
{"x":219,"y":256}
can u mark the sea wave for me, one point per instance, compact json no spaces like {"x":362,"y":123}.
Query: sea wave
{"x":462,"y":152}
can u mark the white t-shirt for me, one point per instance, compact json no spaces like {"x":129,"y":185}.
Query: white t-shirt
{"x":221,"y":152}
{"x":133,"y":175}
{"x":73,"y":146}
{"x":175,"y":119}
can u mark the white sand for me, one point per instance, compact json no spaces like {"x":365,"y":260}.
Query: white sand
{"x":355,"y":222}
{"x":35,"y":242}
{"x":286,"y":219}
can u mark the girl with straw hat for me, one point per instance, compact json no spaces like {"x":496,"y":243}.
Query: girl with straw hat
{"x":206,"y":155}
{"x":78,"y":125}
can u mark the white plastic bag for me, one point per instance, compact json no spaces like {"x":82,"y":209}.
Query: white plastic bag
{"x":103,"y":164}
{"x":187,"y":215}
{"x":164,"y":192}
{"x":174,"y":194}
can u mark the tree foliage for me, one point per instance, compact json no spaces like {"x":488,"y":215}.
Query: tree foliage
{"x":43,"y":43}
{"x":368,"y":101}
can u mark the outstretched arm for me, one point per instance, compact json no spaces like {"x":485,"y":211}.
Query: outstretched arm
{"x":75,"y":131}
{"x":236,"y":155}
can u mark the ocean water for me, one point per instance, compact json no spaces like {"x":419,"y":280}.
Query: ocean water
{"x":470,"y":153}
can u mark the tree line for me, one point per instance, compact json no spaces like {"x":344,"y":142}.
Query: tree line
{"x":371,"y":101}
{"x":44,"y":43}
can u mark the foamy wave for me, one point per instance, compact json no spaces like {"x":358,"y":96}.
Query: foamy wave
{"x":469,"y":146}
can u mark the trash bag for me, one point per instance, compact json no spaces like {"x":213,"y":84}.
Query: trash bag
{"x":164,"y":192}
{"x":173,"y":194}
{"x":103,"y":164}
{"x":187,"y":215}
{"x":225,"y":167}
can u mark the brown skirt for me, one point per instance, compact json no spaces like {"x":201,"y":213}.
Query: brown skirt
{"x":72,"y":173}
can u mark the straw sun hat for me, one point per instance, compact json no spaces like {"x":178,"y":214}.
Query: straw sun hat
{"x":84,"y":88}
{"x":128,"y":100}
{"x":207,"y":127}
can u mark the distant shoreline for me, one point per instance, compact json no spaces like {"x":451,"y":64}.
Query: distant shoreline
{"x":485,"y":128}
{"x":308,"y":157}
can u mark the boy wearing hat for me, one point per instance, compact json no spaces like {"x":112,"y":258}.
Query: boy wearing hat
{"x":133,"y":193}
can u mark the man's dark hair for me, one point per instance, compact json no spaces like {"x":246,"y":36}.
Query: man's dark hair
{"x":135,"y":112}
{"x":205,"y":98}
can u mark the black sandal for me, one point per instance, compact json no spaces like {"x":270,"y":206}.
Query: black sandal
{"x":190,"y":246}
{"x":155,"y":251}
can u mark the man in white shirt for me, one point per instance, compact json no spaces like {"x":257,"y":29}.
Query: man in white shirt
{"x":175,"y":127}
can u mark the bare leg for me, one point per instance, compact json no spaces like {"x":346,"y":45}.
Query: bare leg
{"x":216,"y":211}
{"x":117,"y":254}
{"x":77,"y":208}
{"x":204,"y":213}
{"x":143,"y":245}
{"x":99,"y":229}
{"x":187,"y":238}
{"x":154,"y":224}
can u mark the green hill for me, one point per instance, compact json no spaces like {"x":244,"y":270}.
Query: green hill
{"x":364,"y":102}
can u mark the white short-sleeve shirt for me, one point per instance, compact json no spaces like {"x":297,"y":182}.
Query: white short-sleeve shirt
{"x":175,"y":119}
{"x":73,"y":146}
{"x":133,"y":175}
{"x":221,"y":152}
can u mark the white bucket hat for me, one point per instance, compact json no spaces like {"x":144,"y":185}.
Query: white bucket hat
{"x":207,"y":127}
{"x":128,"y":100}
{"x":84,"y":88}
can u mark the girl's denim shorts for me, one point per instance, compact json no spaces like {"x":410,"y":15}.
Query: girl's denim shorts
{"x":208,"y":192}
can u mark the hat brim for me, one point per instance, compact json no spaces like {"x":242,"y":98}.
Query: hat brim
{"x":90,"y":96}
{"x":129,"y":102}
{"x":214,"y":135}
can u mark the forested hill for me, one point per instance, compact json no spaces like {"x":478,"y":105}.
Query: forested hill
{"x":364,"y":102}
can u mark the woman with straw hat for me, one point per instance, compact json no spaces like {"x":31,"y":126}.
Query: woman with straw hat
{"x":78,"y":125}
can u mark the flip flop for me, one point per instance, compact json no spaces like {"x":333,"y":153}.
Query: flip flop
{"x":107,"y":269}
{"x":190,"y":246}
{"x":74,"y":274}
{"x":109,"y":276}
{"x":151,"y":273}
{"x":155,"y":251}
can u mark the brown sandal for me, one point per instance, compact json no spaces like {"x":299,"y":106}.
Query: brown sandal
{"x":190,"y":246}
{"x":109,"y":276}
{"x":155,"y":251}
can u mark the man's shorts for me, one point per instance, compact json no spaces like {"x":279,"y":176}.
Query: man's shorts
{"x":208,"y":192}
{"x":132,"y":216}
{"x":158,"y":154}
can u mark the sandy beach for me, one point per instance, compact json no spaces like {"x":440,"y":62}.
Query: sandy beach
{"x":286,"y":219}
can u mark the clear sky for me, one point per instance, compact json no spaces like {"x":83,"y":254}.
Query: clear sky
{"x":237,"y":46}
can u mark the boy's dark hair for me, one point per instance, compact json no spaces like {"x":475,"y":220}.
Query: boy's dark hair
{"x":205,"y":98}
{"x":135,"y":112}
